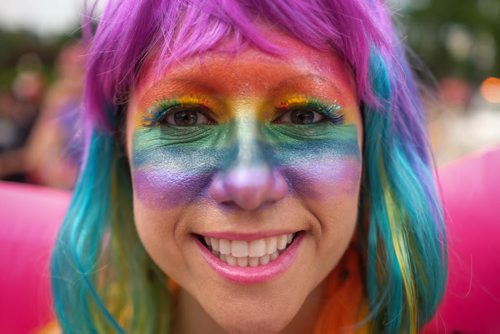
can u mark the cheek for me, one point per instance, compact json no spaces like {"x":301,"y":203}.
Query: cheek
{"x":326,"y":179}
{"x":162,"y":237}
{"x":166,"y":178}
{"x":327,"y":171}
{"x":160,"y":189}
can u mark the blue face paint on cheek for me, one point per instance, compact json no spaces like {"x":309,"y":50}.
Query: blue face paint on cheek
{"x":170,"y":172}
{"x":320,"y":164}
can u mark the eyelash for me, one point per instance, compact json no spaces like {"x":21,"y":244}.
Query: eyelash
{"x":157,"y":115}
{"x":332,"y":113}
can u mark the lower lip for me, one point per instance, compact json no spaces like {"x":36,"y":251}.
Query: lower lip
{"x":253,"y":275}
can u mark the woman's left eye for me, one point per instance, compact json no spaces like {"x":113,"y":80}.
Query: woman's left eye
{"x":300,"y":116}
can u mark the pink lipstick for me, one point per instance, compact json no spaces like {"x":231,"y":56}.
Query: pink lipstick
{"x":250,"y":262}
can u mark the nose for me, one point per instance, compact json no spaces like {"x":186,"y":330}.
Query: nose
{"x":248,"y":179}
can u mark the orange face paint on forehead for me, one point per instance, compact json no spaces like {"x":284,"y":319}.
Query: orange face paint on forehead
{"x":254,"y":89}
{"x":256,"y":84}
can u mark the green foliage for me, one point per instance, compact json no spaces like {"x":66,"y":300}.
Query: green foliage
{"x":455,"y":38}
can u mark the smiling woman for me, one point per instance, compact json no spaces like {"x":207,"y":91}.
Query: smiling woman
{"x":251,"y":167}
{"x":225,"y":174}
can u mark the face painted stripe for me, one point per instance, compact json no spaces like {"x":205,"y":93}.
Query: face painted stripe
{"x":323,"y":165}
{"x":161,"y":190}
{"x":150,"y":147}
{"x":322,"y":180}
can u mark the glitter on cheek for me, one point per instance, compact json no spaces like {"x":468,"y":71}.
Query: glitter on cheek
{"x":165,"y":176}
{"x":322,"y":169}
{"x":161,"y":189}
{"x":328,"y":179}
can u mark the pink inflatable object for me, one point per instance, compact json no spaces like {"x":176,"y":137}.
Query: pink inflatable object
{"x":471,"y":193}
{"x":29,"y":219}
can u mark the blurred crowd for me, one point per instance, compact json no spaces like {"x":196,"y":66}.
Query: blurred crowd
{"x":464,"y":119}
{"x":40,"y":136}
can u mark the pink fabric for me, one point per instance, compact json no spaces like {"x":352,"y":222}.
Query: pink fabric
{"x":29,"y":219}
{"x":471,"y":192}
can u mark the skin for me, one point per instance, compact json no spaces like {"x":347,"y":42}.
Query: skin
{"x":248,"y":171}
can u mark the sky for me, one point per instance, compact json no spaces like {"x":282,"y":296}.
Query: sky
{"x":44,"y":17}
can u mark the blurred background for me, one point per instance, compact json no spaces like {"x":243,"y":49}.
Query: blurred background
{"x":455,"y":50}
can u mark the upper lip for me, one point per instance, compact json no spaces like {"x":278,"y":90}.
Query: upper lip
{"x":245,"y":236}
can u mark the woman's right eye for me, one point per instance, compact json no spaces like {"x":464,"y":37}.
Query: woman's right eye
{"x":181,"y":116}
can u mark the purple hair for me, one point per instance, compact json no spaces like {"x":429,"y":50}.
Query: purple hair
{"x":145,"y":27}
{"x":403,"y":237}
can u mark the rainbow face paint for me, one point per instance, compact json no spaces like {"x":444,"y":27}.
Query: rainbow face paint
{"x":174,"y":165}
{"x":228,"y":153}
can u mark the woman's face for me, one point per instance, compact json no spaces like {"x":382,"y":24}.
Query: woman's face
{"x":246,"y":173}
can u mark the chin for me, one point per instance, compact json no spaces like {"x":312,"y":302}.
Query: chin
{"x":254,"y":311}
{"x":263,"y":323}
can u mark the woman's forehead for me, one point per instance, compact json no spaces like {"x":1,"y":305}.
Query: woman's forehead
{"x":250,"y":72}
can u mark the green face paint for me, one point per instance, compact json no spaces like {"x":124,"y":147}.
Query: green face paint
{"x":173,"y":165}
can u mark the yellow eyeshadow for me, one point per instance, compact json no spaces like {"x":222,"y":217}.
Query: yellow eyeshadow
{"x":294,"y":100}
{"x":190,"y":100}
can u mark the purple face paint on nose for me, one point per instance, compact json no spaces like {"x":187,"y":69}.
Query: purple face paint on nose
{"x":249,"y":187}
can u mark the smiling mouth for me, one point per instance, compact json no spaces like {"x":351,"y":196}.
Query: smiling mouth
{"x":254,"y":253}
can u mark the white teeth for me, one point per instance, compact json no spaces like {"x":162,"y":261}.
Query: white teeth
{"x":248,"y":253}
{"x":231,"y":260}
{"x":253,"y":261}
{"x":207,"y":241}
{"x":239,"y":248}
{"x":224,"y":246}
{"x":264,"y":259}
{"x":257,"y":248}
{"x":282,"y":242}
{"x":215,"y":244}
{"x":271,"y":245}
{"x":243,"y":261}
